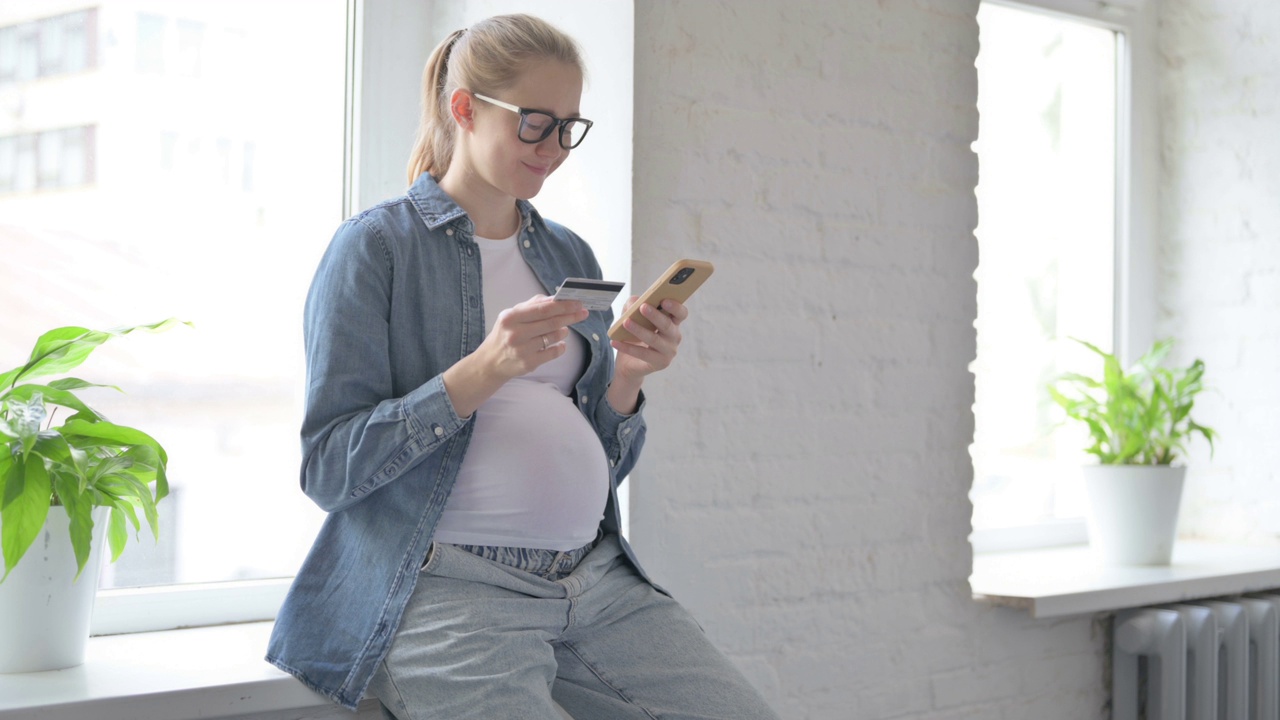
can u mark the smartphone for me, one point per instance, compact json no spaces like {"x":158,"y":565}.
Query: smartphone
{"x":677,"y":283}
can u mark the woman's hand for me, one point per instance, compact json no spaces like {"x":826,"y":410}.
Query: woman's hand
{"x":654,"y":351}
{"x":529,"y":334}
{"x":523,"y":337}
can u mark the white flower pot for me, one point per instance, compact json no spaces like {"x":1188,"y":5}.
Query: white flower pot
{"x":1132,"y":512}
{"x":44,"y":616}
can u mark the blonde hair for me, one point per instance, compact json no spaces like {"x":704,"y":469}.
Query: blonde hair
{"x":487,"y":57}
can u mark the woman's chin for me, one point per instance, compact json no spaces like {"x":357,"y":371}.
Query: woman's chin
{"x":528,"y":191}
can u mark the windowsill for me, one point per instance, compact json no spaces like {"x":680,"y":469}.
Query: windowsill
{"x":219,"y":671}
{"x":1063,"y":581}
{"x":172,"y":675}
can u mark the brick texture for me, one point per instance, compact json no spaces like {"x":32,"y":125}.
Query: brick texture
{"x":805,"y":486}
{"x":1220,"y":256}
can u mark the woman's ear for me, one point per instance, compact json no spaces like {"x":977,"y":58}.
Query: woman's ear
{"x":461,"y":108}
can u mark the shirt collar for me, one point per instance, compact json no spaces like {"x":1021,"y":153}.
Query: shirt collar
{"x":436,"y":207}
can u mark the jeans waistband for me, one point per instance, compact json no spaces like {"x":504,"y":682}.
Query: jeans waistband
{"x":550,"y":564}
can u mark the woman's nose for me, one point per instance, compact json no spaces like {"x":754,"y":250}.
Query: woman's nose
{"x":549,"y":147}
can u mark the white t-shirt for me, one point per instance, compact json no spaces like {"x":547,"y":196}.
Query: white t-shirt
{"x":535,"y":474}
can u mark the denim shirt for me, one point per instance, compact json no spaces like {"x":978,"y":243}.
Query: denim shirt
{"x":396,"y":301}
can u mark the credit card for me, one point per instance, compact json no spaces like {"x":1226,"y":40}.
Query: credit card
{"x":593,"y":294}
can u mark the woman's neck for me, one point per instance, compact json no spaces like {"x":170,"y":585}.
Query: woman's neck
{"x":494,"y":214}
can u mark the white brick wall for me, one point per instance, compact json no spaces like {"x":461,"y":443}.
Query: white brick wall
{"x":805,"y":487}
{"x":1220,"y":259}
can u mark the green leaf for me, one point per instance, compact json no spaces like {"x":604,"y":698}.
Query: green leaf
{"x":67,"y":462}
{"x":78,"y":384}
{"x":79,"y":510}
{"x":79,"y":467}
{"x":63,"y":349}
{"x":1141,"y":416}
{"x":13,"y":475}
{"x":149,"y":510}
{"x":51,"y":394}
{"x":162,"y":483}
{"x":1131,"y":446}
{"x":148,"y":467}
{"x":57,"y":351}
{"x":142,"y":449}
{"x":1207,"y":433}
{"x":130,"y":512}
{"x":22,"y":519}
{"x":119,"y":435}
{"x":117,"y":533}
{"x":130,"y":489}
{"x":1077,"y":378}
{"x":1093,"y":347}
{"x":107,"y":466}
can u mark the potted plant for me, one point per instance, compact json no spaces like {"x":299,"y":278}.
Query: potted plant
{"x":62,"y":486}
{"x":1139,"y":423}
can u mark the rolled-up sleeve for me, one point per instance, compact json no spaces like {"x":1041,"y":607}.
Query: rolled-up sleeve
{"x":621,"y":435}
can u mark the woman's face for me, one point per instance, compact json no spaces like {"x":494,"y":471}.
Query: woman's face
{"x":514,"y":168}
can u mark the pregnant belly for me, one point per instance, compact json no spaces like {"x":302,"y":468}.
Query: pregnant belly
{"x":535,"y":474}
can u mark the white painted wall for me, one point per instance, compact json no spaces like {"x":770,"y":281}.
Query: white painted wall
{"x":1220,"y":260}
{"x":805,"y":486}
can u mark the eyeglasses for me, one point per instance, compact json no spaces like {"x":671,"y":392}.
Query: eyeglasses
{"x":536,"y":125}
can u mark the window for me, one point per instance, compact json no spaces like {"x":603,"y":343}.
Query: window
{"x":150,"y":46}
{"x":51,"y":46}
{"x":197,"y":171}
{"x":156,"y":183}
{"x":46,"y":160}
{"x":1051,"y":235}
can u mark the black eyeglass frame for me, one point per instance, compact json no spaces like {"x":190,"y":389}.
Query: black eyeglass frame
{"x":556,"y":123}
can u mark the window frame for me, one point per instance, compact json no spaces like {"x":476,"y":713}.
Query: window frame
{"x":378,"y":111}
{"x":1136,"y":192}
{"x":167,"y":607}
{"x":382,"y":86}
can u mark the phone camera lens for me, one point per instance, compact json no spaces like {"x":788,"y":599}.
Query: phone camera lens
{"x":681,"y":276}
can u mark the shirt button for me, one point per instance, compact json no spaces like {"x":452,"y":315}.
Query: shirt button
{"x":449,"y":232}
{"x":626,"y":431}
{"x":469,"y":250}
{"x":439,"y":431}
{"x":595,"y":336}
{"x":613,"y":463}
{"x":527,"y":243}
{"x":585,"y":399}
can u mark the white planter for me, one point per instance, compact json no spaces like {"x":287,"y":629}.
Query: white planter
{"x":1132,"y":512}
{"x":44,"y":616}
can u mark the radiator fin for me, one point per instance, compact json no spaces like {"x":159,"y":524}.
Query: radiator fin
{"x":1213,"y":659}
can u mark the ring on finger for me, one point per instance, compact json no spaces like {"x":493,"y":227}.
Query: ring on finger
{"x":544,"y":342}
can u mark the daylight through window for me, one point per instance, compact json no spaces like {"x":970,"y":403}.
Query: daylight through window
{"x":1047,"y":244}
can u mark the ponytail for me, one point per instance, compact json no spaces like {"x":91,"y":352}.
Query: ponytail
{"x":487,"y":57}
{"x":433,"y":148}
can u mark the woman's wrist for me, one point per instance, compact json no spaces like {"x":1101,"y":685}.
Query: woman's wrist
{"x":623,"y":395}
{"x":469,"y":383}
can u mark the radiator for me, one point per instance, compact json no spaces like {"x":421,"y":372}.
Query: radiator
{"x":1203,"y":660}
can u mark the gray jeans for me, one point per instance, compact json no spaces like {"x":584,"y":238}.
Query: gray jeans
{"x":501,"y":633}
